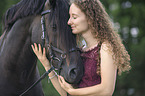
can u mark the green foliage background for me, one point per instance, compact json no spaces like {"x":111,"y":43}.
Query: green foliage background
{"x":129,"y":17}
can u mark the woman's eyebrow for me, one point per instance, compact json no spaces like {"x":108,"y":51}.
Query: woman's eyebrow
{"x":73,"y":14}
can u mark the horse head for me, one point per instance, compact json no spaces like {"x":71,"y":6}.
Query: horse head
{"x":61,"y":43}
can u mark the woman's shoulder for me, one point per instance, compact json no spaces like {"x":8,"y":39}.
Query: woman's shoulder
{"x":106,"y":46}
{"x":107,"y":54}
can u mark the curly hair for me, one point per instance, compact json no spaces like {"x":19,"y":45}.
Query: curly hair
{"x":103,"y":29}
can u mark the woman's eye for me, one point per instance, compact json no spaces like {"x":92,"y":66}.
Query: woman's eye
{"x":74,"y":17}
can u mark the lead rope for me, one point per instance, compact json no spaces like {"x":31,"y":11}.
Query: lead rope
{"x":42,"y":77}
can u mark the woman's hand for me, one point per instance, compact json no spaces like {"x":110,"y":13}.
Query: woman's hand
{"x":66,"y":86}
{"x":41,"y":56}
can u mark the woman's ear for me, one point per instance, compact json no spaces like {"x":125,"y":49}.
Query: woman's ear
{"x":89,"y":22}
{"x":47,"y":5}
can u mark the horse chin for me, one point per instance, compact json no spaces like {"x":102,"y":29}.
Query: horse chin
{"x":73,"y":74}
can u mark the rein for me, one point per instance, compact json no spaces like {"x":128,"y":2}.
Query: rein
{"x":35,"y":83}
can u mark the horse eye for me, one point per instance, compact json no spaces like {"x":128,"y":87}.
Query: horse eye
{"x":54,"y":26}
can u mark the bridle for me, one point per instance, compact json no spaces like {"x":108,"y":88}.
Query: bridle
{"x":50,"y":51}
{"x":51,"y":48}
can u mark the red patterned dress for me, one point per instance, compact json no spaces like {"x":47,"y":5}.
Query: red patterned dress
{"x":91,"y":59}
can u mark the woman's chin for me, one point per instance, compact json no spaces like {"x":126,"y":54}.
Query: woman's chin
{"x":75,"y":32}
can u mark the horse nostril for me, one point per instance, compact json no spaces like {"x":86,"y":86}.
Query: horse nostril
{"x":73,"y":73}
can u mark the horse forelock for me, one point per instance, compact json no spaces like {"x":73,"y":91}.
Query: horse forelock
{"x":60,"y":15}
{"x":22,"y":9}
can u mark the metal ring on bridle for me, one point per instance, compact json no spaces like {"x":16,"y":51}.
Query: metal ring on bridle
{"x":63,"y":55}
{"x":55,"y":58}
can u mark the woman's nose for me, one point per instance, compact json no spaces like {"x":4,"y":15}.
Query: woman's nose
{"x":69,"y":21}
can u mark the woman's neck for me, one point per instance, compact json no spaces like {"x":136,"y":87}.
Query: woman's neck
{"x":90,"y":39}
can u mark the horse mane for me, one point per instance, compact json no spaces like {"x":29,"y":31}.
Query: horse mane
{"x":60,"y":14}
{"x":22,"y":9}
{"x":59,"y":11}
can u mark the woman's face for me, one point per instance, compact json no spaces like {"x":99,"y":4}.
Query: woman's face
{"x":77,"y":20}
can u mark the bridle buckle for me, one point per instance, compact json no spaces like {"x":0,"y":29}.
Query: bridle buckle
{"x":63,"y":55}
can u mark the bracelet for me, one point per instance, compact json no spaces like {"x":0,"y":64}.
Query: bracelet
{"x":55,"y":74}
{"x":52,"y":76}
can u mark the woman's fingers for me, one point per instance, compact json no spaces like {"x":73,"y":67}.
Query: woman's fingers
{"x":35,"y":47}
{"x":39,"y":48}
{"x":60,"y":81}
{"x":38,"y":51}
{"x":41,"y":55}
{"x":44,"y":52}
{"x":66,"y":86}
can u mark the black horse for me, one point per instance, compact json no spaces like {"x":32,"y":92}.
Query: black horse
{"x":18,"y":68}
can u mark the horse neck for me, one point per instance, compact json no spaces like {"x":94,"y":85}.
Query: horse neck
{"x":17,"y":55}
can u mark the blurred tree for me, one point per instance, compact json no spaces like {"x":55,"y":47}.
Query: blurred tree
{"x":4,"y":5}
{"x":128,"y":16}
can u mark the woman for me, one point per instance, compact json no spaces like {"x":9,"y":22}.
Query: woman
{"x":102,"y":57}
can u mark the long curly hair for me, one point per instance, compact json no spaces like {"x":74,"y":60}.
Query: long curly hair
{"x":103,"y":29}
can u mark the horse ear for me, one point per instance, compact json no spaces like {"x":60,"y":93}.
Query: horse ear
{"x":52,"y":3}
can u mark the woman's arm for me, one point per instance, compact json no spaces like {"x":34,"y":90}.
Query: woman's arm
{"x":42,"y":57}
{"x":108,"y":78}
